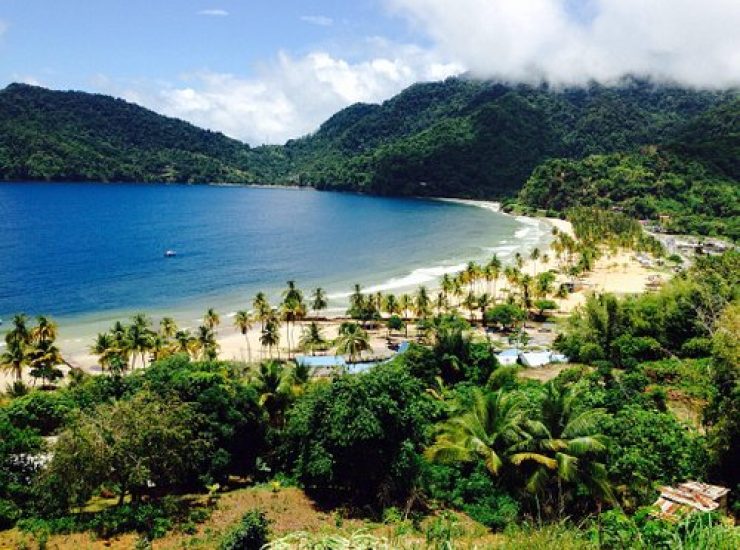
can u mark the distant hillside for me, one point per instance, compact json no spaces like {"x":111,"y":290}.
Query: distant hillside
{"x":470,"y":138}
{"x":459,"y":137}
{"x":714,"y":139}
{"x":66,"y":136}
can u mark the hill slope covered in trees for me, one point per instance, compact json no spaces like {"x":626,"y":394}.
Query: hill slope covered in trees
{"x":460,"y":137}
{"x":481,"y":139}
{"x":75,"y":136}
{"x":693,"y":179}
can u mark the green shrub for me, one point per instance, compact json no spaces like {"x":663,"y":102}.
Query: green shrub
{"x":250,"y":534}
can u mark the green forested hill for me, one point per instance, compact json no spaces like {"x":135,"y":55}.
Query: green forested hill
{"x":694,"y":178}
{"x":460,"y":137}
{"x":65,"y":136}
{"x":464,"y":137}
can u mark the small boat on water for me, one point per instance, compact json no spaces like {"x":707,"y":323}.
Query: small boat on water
{"x":170,"y":253}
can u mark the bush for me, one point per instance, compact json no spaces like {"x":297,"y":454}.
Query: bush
{"x":697,"y":347}
{"x":40,"y":410}
{"x":630,"y":350}
{"x":471,"y":489}
{"x":358,"y":437}
{"x":250,"y":534}
{"x":589,"y":353}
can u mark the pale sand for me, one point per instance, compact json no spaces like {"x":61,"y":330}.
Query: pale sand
{"x":620,"y":274}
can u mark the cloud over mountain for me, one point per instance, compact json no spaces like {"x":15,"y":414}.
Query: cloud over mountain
{"x":569,"y":41}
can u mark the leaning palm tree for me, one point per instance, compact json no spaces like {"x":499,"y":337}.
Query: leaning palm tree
{"x":105,"y":348}
{"x":565,"y":446}
{"x":312,"y":339}
{"x":14,"y":358}
{"x":211,"y":319}
{"x":488,"y":429}
{"x":319,"y":301}
{"x":243,"y":322}
{"x":352,"y":340}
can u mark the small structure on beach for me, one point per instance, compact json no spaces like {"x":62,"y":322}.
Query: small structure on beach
{"x":532,"y":359}
{"x":508,"y":357}
{"x":691,"y":496}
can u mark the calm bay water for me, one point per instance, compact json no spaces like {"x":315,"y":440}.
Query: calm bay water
{"x":89,"y":253}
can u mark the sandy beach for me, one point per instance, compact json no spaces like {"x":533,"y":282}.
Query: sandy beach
{"x":620,"y":274}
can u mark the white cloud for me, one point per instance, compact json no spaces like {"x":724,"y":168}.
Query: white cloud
{"x":689,"y":41}
{"x":3,"y":27}
{"x":214,"y":12}
{"x":320,"y":20}
{"x":287,"y":98}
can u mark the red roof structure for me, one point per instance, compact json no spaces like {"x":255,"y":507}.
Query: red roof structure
{"x":691,"y":496}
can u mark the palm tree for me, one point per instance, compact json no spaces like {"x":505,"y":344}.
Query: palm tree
{"x":211,"y":319}
{"x":319,"y":300}
{"x":292,"y":310}
{"x":471,"y":303}
{"x":494,"y":271}
{"x":273,"y":384}
{"x":312,"y":339}
{"x":565,"y":445}
{"x":206,"y":343}
{"x":20,"y":332}
{"x":243,"y":322}
{"x":352,"y":340}
{"x":422,"y":303}
{"x":262,"y":309}
{"x":488,"y":429}
{"x":518,"y":261}
{"x":440,"y":302}
{"x":270,"y":336}
{"x":14,"y":358}
{"x":534,"y":256}
{"x":484,"y":301}
{"x":404,"y":303}
{"x":447,"y":284}
{"x":167,"y":327}
{"x":45,"y":329}
{"x":105,"y":348}
{"x":43,"y":360}
{"x":390,"y":305}
{"x":138,"y":339}
{"x":183,"y":341}
{"x":158,"y":347}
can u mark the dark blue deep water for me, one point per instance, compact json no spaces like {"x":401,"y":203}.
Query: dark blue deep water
{"x":96,"y":251}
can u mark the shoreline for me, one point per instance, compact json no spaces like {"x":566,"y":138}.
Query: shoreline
{"x":233,"y":346}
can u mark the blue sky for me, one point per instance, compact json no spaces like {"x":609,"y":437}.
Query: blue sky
{"x":267,"y":70}
{"x":67,"y":42}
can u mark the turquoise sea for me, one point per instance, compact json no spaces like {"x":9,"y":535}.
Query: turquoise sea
{"x":87,"y":254}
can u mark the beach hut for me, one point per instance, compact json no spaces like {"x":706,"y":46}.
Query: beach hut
{"x":508,"y":357}
{"x":535,"y":358}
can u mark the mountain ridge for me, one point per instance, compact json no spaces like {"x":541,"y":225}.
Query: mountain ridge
{"x":458,"y":137}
